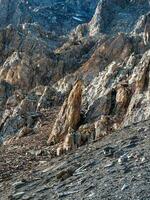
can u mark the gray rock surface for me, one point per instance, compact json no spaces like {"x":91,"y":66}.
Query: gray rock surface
{"x":91,"y":172}
{"x":46,"y":47}
{"x":58,"y":16}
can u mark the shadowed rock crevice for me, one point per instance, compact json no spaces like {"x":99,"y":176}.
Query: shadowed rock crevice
{"x":147,"y":78}
{"x":113,"y":102}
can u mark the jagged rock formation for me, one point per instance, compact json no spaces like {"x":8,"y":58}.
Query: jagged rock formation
{"x":47,"y":13}
{"x":40,"y":64}
{"x":116,"y":76}
{"x":69,"y":116}
{"x":74,"y":76}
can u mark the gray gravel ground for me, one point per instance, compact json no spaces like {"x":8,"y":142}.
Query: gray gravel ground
{"x":117,"y":167}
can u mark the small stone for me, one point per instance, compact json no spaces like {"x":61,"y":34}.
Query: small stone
{"x":36,"y":152}
{"x":109,"y":165}
{"x":143,"y":159}
{"x":26,"y":198}
{"x":130,"y":156}
{"x":118,"y":153}
{"x":18,"y":195}
{"x":64,"y":194}
{"x":131,"y":145}
{"x":141,"y":129}
{"x":126,"y":169}
{"x":139,"y":175}
{"x":108,"y":151}
{"x":42,"y":162}
{"x":47,"y":170}
{"x":124,"y":187}
{"x":18,"y":184}
{"x":42,"y":189}
{"x":123,"y":159}
{"x":63,"y":175}
{"x":92,"y":194}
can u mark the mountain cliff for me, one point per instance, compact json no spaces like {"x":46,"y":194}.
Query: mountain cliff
{"x":72,"y":72}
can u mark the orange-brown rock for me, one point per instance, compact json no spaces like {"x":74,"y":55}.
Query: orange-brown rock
{"x":117,"y":48}
{"x":69,"y":116}
{"x":122,"y":97}
{"x":141,"y":79}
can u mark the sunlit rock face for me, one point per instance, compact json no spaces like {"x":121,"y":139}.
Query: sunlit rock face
{"x":115,"y":16}
{"x":69,"y":116}
{"x":46,"y":46}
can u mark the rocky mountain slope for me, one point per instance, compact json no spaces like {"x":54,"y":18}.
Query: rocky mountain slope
{"x":71,"y":73}
{"x":116,"y":167}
